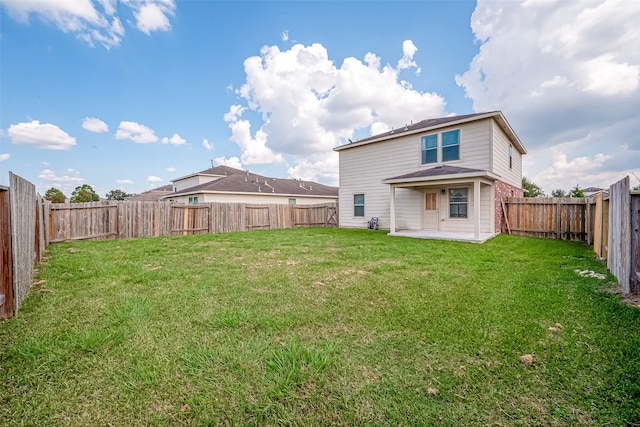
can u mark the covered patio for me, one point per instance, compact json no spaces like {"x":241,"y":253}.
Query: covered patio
{"x":457,"y":236}
{"x":473,"y":222}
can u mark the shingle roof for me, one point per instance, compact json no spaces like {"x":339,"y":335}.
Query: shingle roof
{"x":151,"y":195}
{"x":439,"y":123}
{"x":239,"y":181}
{"x":437,"y":171}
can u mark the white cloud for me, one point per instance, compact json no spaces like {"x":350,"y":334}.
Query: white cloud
{"x":285,"y":35}
{"x":4,"y":156}
{"x":174,"y":140}
{"x":232,"y":162}
{"x":566,"y":75}
{"x":154,"y":15}
{"x":583,"y":171}
{"x":124,"y":181}
{"x":170,"y":169}
{"x":254,"y":149}
{"x":324,"y":170}
{"x":66,"y":182}
{"x":44,"y":135}
{"x":93,"y":124}
{"x":94,"y":22}
{"x":408,"y":51}
{"x":309,"y":105}
{"x":205,"y":144}
{"x":152,"y":178}
{"x":136,"y":132}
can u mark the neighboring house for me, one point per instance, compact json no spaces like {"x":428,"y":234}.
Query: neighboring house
{"x":590,"y":191}
{"x":230,"y":185}
{"x":445,"y":175}
{"x":151,"y":195}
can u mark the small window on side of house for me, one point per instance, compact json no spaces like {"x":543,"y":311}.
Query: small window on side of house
{"x":451,"y":145}
{"x":458,"y":202}
{"x":292,"y":200}
{"x":358,"y":205}
{"x":429,"y":145}
{"x":510,"y":156}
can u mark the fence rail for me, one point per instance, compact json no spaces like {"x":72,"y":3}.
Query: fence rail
{"x":130,"y":219}
{"x":556,"y":218}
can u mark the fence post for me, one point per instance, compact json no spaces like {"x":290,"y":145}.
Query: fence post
{"x":6,"y":255}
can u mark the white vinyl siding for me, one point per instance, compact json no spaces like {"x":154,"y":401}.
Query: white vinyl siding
{"x":501,"y":144}
{"x":362,"y":170}
{"x":475,"y":145}
{"x":192,"y":181}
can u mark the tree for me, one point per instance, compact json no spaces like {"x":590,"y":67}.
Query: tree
{"x":558,"y":192}
{"x":55,"y":196}
{"x":576,"y":192}
{"x":637,"y":187}
{"x":117,"y":195}
{"x":531,"y":189}
{"x":84,"y":193}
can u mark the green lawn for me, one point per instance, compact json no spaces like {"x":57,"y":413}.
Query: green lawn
{"x":320,"y":327}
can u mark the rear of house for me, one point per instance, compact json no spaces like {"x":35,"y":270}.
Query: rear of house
{"x":446,"y":174}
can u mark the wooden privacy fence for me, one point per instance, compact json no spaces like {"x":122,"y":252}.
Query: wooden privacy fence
{"x":22,"y":242}
{"x":130,"y":219}
{"x":608,"y":221}
{"x":556,"y":218}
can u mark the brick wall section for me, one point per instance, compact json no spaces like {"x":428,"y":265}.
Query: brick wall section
{"x":504,"y":190}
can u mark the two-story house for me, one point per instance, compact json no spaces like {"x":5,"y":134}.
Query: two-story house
{"x":445,"y":177}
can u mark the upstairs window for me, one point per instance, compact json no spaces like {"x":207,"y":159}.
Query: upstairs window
{"x":292,"y":200}
{"x":451,"y":145}
{"x":458,"y":201}
{"x":358,"y":205}
{"x":193,"y":199}
{"x":430,"y":149}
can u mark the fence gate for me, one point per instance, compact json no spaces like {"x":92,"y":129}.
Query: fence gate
{"x":332,"y":216}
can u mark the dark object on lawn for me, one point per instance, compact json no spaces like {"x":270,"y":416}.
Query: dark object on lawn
{"x":373,"y":223}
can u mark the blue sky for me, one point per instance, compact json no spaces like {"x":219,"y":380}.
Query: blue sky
{"x":131,"y":94}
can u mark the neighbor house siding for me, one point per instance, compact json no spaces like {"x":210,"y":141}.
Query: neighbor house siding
{"x":253,"y":199}
{"x":192,"y":181}
{"x":500,"y":152}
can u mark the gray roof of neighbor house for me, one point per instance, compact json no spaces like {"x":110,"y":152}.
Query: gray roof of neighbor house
{"x":152,"y":195}
{"x":238,"y":181}
{"x":436,"y":123}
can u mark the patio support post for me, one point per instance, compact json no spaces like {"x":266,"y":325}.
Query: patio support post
{"x":392,"y":209}
{"x":476,"y":209}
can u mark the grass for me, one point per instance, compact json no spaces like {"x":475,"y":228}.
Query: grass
{"x":320,"y":327}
